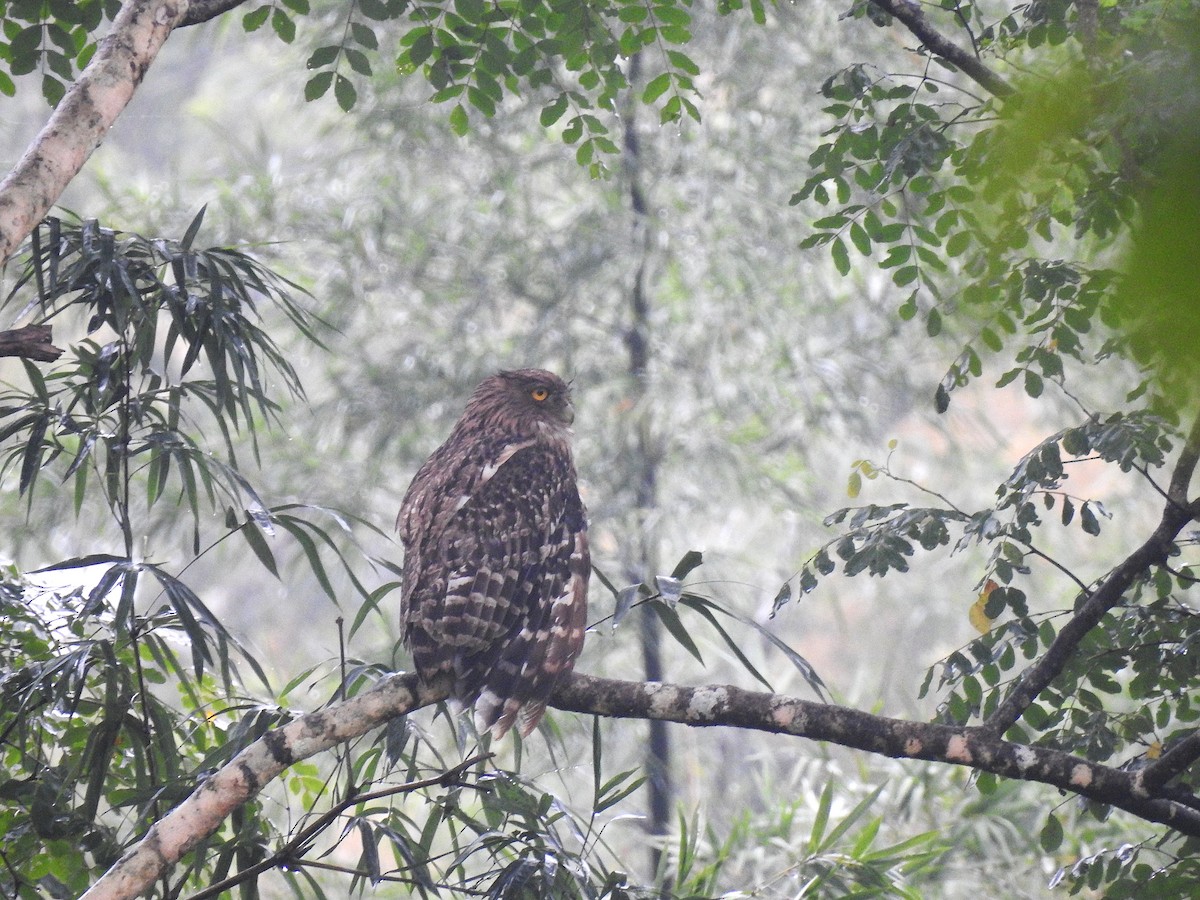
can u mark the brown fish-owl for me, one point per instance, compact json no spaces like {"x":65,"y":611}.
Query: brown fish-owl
{"x":496,"y":559}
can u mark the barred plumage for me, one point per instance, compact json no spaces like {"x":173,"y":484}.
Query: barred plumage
{"x":496,"y":559}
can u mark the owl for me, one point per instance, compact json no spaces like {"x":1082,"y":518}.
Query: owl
{"x":496,"y":561}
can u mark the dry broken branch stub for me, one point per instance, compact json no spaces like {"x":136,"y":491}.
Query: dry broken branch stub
{"x":30,"y":342}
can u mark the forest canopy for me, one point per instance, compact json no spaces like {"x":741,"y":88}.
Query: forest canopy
{"x":933,"y":258}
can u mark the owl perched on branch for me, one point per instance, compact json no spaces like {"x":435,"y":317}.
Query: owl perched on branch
{"x":496,"y":559}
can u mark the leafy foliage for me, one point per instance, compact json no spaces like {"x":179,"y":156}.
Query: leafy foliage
{"x":1004,"y":221}
{"x":476,"y":55}
{"x":1009,"y":217}
{"x":1009,"y":214}
{"x":54,"y":39}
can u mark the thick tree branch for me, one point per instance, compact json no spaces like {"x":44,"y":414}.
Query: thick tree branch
{"x":1172,"y":763}
{"x":83,"y":117}
{"x":910,"y":14}
{"x":245,"y":775}
{"x":1176,"y":515}
{"x":974,"y":748}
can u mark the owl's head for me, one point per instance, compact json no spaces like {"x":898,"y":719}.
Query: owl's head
{"x":526,"y":397}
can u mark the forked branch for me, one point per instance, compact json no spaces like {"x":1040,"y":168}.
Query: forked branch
{"x":1177,"y":514}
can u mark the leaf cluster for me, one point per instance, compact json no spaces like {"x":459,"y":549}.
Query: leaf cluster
{"x":119,"y":683}
{"x":95,"y":746}
{"x":56,"y":38}
{"x":1010,"y":215}
{"x":170,"y":331}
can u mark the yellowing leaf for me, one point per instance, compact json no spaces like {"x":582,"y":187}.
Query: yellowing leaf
{"x":1154,"y":751}
{"x":854,"y":485}
{"x":978,"y":615}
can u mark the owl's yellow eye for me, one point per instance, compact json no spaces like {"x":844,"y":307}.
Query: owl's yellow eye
{"x":539,"y":394}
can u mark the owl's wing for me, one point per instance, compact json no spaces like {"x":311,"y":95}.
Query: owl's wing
{"x":454,"y":474}
{"x":501,"y":595}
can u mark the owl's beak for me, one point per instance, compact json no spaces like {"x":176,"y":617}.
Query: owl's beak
{"x":568,"y":412}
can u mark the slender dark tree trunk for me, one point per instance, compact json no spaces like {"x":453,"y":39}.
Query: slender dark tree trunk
{"x":644,"y":561}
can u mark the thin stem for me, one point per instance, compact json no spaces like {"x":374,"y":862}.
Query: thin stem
{"x":1054,"y":562}
{"x":286,"y":853}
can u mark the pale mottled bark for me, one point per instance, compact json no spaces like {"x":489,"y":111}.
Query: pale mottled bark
{"x":247,"y":773}
{"x":706,"y":706}
{"x":82,"y":119}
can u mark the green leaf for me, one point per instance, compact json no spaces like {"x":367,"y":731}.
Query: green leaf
{"x":253,"y":21}
{"x":254,"y":537}
{"x":345,"y":93}
{"x":656,"y":87}
{"x":860,"y":239}
{"x":52,"y":89}
{"x":358,"y":61}
{"x":670,"y":620}
{"x":1051,"y":836}
{"x":941,"y":399}
{"x":460,"y":124}
{"x":318,"y":86}
{"x":364,"y":35}
{"x":841,"y":256}
{"x":1088,"y":520}
{"x":682,"y":61}
{"x":553,"y":110}
{"x":31,"y":459}
{"x":958,"y":243}
{"x":1033,"y":383}
{"x":284,"y":25}
{"x":687,"y":564}
{"x":820,"y":819}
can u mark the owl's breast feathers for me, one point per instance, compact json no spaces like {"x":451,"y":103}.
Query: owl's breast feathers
{"x":496,"y":572}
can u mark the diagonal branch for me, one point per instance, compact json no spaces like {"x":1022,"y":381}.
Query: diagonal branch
{"x":246,"y":774}
{"x":910,"y":14}
{"x":1172,"y":763}
{"x":1176,"y":515}
{"x":83,"y":117}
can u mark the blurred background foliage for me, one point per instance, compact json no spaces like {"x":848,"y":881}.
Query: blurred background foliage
{"x":734,"y":385}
